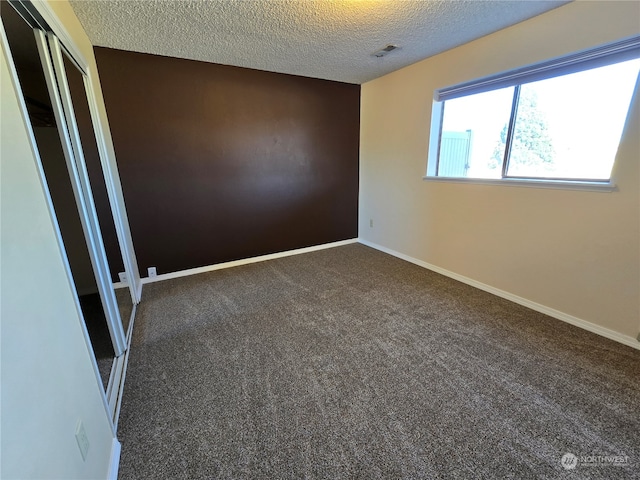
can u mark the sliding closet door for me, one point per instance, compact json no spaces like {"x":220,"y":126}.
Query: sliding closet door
{"x":51,"y":56}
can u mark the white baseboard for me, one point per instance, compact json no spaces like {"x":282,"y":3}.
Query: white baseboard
{"x":114,"y":461}
{"x":565,"y":317}
{"x":245,"y":261}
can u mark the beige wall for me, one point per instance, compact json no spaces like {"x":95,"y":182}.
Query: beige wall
{"x":48,"y":378}
{"x":574,"y":251}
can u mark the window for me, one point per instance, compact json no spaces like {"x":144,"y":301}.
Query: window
{"x":559,"y":121}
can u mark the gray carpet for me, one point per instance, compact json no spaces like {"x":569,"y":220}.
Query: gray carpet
{"x":349,"y":363}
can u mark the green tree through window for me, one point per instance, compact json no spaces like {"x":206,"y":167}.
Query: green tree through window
{"x":532,"y":144}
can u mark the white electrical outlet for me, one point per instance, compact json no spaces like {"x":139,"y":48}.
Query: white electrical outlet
{"x":82,"y":439}
{"x":371,"y":222}
{"x":152,"y":272}
{"x":123,"y":277}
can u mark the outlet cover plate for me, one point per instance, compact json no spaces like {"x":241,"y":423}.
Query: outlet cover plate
{"x":82,"y":439}
{"x":152,"y":272}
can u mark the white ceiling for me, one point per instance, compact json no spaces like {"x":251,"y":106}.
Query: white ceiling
{"x":329,"y":39}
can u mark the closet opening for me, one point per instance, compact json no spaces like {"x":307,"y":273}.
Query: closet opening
{"x":53,"y":88}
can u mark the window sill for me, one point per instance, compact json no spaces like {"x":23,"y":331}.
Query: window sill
{"x":550,"y":184}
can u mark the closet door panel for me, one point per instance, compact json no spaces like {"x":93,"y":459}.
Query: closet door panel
{"x":53,"y":66}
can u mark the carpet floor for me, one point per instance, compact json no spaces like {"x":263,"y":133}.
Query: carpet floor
{"x":350,"y":363}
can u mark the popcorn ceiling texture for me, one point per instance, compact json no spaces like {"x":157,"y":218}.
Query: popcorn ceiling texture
{"x":329,"y":39}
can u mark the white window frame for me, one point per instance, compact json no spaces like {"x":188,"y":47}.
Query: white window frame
{"x":619,"y":51}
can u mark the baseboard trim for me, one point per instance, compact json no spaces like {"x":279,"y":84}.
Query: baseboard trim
{"x":565,"y":317}
{"x":114,"y":461}
{"x":244,"y":261}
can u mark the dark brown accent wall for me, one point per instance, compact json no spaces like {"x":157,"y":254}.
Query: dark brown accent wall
{"x":220,"y":163}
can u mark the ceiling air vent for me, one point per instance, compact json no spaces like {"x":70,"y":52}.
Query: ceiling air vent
{"x":385,"y":51}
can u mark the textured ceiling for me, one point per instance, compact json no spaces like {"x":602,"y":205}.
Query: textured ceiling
{"x":330,"y":39}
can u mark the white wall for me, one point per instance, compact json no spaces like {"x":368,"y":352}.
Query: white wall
{"x":577,"y":252}
{"x":48,"y":379}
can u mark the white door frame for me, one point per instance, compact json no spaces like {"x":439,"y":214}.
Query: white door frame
{"x":36,"y":155}
{"x":45,"y":18}
{"x":114,"y":192}
{"x":56,"y":77}
{"x":107,"y":160}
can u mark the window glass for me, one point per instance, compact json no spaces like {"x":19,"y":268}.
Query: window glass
{"x":567,"y":127}
{"x":570,"y":126}
{"x":472,"y":127}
